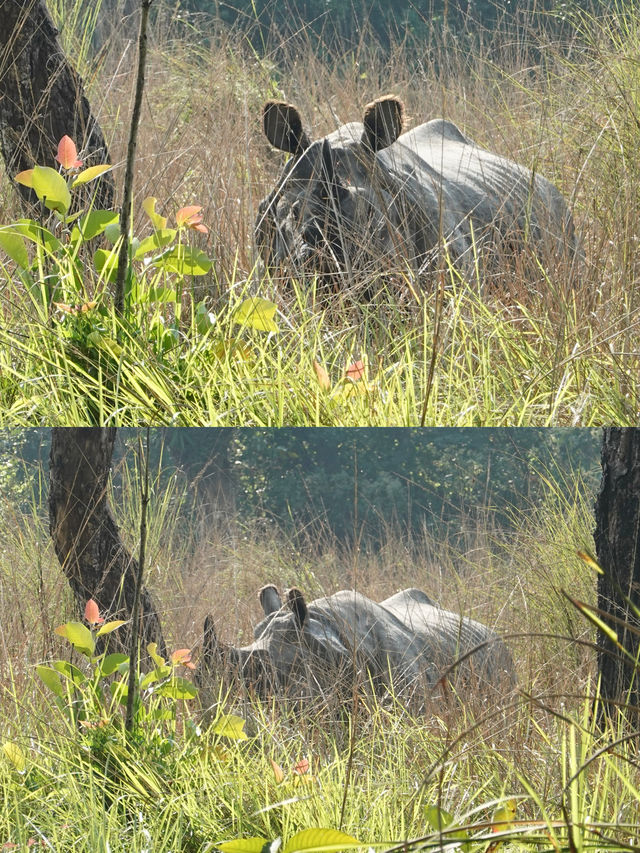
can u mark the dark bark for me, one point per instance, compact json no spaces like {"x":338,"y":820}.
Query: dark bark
{"x":84,"y":532}
{"x":42,"y":99}
{"x":617,"y":539}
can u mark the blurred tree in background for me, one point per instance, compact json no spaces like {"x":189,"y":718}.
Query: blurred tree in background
{"x":348,"y":482}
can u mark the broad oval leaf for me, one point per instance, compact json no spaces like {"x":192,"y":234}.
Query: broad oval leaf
{"x":78,"y":635}
{"x":67,"y":154}
{"x":320,"y":840}
{"x":257,"y":313}
{"x":160,"y":238}
{"x":91,"y":173}
{"x":25,"y":178}
{"x":111,"y":662}
{"x":36,"y":233}
{"x":229,"y":725}
{"x":15,"y":755}
{"x":51,"y":188}
{"x":15,"y":247}
{"x":94,"y":223}
{"x":242,"y":845}
{"x":92,"y":613}
{"x":437,"y":818}
{"x":106,"y":264}
{"x":178,"y":688}
{"x":50,"y":679}
{"x":108,"y":627}
{"x":184,"y":260}
{"x":70,"y":671}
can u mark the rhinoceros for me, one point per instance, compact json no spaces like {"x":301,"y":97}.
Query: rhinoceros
{"x":407,"y":643}
{"x":369,"y":198}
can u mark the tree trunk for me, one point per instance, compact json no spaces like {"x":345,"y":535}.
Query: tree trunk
{"x":42,"y":99}
{"x":617,"y":539}
{"x":84,"y":532}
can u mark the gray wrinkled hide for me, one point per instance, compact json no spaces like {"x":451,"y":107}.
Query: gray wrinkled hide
{"x":339,"y":206}
{"x":407,"y":641}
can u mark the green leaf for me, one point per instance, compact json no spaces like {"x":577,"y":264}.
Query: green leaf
{"x":37,"y":234}
{"x":119,"y":691}
{"x":256,"y":313}
{"x":106,"y":264}
{"x":15,"y":247}
{"x":242,"y":845}
{"x":159,"y":294}
{"x":184,"y":260}
{"x":79,"y":636}
{"x":228,"y":725}
{"x":91,"y":173}
{"x":152,"y":649}
{"x":108,"y":627}
{"x":157,"y":240}
{"x":205,"y":319}
{"x":112,"y":662}
{"x":437,"y":818}
{"x":51,"y":188}
{"x":92,"y":224}
{"x":15,"y":755}
{"x":149,"y":207}
{"x":178,"y":688}
{"x":50,"y":679}
{"x":320,"y":840}
{"x":70,"y":671}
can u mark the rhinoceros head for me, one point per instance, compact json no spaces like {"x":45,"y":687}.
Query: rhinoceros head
{"x":328,"y":215}
{"x":294,"y":651}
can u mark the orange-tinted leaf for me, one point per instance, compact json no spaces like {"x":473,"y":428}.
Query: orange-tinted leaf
{"x":189,"y":216}
{"x":356,"y":371}
{"x":67,"y":154}
{"x":74,"y":309}
{"x":301,"y":767}
{"x":182,"y":656}
{"x":98,"y":724}
{"x":25,"y":178}
{"x":322,"y":376}
{"x":278,"y":772}
{"x":92,"y":613}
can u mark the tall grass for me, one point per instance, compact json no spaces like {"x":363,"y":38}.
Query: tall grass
{"x":558,"y":349}
{"x":373,"y":773}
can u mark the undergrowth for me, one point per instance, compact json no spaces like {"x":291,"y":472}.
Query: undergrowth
{"x":559,"y":350}
{"x":235,"y":774}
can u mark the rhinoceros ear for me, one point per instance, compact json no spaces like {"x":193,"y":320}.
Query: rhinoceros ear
{"x":295,"y":600}
{"x":382,"y":122}
{"x":283,"y":127}
{"x":269,"y":599}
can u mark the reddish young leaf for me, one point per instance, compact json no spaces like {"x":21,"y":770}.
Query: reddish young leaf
{"x":67,"y":154}
{"x":192,"y":218}
{"x":356,"y":371}
{"x":92,"y":613}
{"x":301,"y":767}
{"x":182,"y":656}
